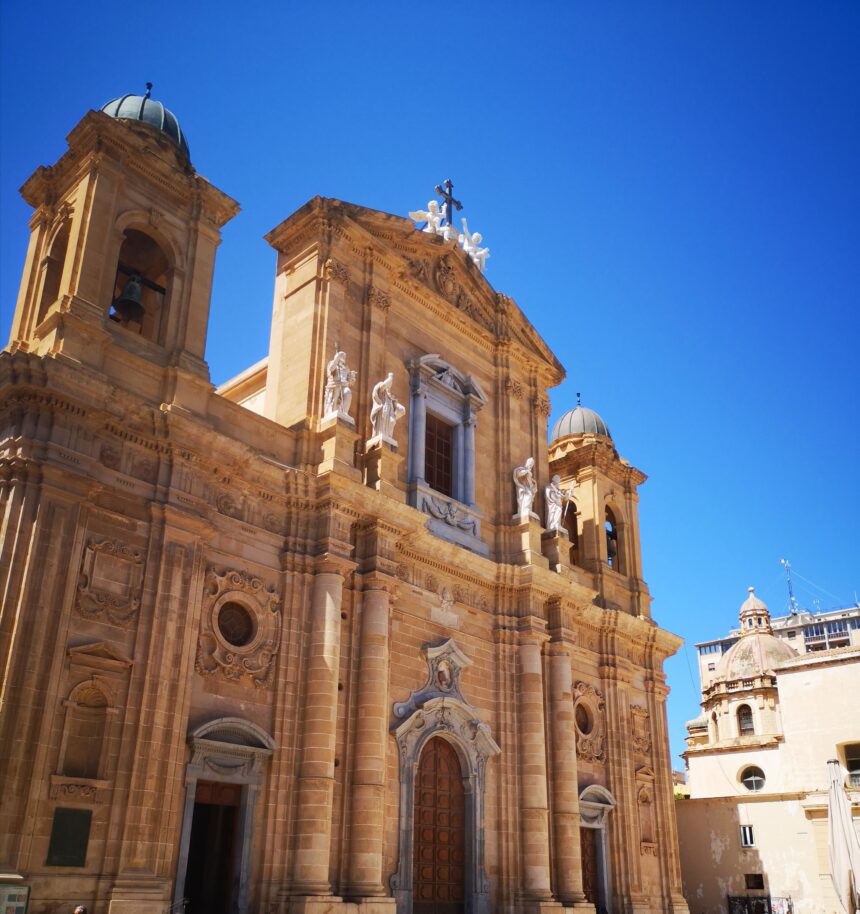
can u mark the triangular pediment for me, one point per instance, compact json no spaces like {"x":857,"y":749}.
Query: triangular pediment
{"x":425,"y":262}
{"x":99,"y":655}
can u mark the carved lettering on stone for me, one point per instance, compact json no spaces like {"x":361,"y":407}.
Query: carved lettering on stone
{"x":110,"y":581}
{"x":240,"y":627}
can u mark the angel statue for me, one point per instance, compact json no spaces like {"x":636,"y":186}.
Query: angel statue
{"x":471,"y":245}
{"x":524,"y":481}
{"x":448,"y":232}
{"x":386,"y":409}
{"x":557,"y":502}
{"x":432,"y":216}
{"x":338,"y":394}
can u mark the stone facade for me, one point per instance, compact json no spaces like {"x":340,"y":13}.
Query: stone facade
{"x":228,"y":620}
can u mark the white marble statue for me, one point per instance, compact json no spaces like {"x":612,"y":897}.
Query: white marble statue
{"x":433,"y":216}
{"x":557,"y":502}
{"x":386,"y":409}
{"x":448,"y":232}
{"x":338,"y":393}
{"x":524,"y":481}
{"x":471,"y":243}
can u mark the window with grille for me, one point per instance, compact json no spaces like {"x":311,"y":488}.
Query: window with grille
{"x":438,"y":454}
{"x":747,"y":837}
{"x":746,"y":727}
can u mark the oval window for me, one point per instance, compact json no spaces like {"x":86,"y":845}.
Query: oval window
{"x":584,"y":721}
{"x":235,"y":624}
{"x":752,"y":778}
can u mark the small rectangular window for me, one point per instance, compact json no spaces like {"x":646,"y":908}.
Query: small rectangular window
{"x":70,"y":834}
{"x":747,"y":838}
{"x":792,"y":634}
{"x":712,"y":667}
{"x":754,"y":880}
{"x":438,"y":455}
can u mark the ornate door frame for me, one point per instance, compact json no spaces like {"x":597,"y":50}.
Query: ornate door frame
{"x":232,"y":751}
{"x":439,"y":709}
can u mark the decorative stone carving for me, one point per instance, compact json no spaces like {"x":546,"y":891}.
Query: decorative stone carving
{"x":378,"y":298}
{"x":227,"y":505}
{"x":431,"y":583}
{"x":241,"y":627}
{"x":641,"y":729}
{"x":336,"y":271}
{"x":542,"y":406}
{"x":445,"y":276}
{"x":439,"y":710}
{"x":449,"y":512}
{"x":513,"y":388}
{"x":444,"y":613}
{"x":110,"y":456}
{"x":589,"y":717}
{"x":526,"y":488}
{"x":386,"y":410}
{"x":110,"y":582}
{"x":338,"y":392}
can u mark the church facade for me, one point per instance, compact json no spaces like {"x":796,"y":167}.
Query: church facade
{"x":262,"y":654}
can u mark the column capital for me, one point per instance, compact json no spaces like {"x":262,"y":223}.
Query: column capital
{"x":378,"y":580}
{"x":332,"y":563}
{"x":532,"y":630}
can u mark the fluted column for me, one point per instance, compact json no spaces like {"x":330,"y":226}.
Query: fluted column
{"x":318,"y":735}
{"x":533,"y":781}
{"x":371,"y":740}
{"x":565,"y":793}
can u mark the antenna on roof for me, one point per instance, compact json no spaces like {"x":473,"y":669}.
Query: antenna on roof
{"x":792,"y":603}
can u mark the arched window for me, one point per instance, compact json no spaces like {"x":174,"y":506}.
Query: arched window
{"x":52,"y":271}
{"x":84,"y":734}
{"x":753,"y":779}
{"x":714,"y":727}
{"x":571,"y":524}
{"x":745,"y":721}
{"x":614,"y":551}
{"x":141,"y":285}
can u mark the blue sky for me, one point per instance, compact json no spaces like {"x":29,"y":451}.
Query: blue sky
{"x":671,"y":192}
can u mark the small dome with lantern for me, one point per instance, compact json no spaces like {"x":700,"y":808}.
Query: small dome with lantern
{"x":579,"y":421}
{"x":146,"y":110}
{"x":758,"y":651}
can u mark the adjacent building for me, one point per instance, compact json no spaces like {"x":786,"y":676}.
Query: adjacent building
{"x":779,"y":700}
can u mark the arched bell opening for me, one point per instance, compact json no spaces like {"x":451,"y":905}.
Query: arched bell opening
{"x":570,"y":522}
{"x":141,"y":286}
{"x":615,"y":551}
{"x":52,"y":271}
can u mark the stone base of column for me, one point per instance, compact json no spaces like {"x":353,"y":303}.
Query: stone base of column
{"x":525,"y":540}
{"x":555,"y":545}
{"x":533,"y":906}
{"x":337,"y":437}
{"x":382,"y":466}
{"x":333,"y":904}
{"x":139,"y":896}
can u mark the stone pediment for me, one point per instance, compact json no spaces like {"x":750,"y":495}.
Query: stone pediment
{"x":99,"y":655}
{"x":425,"y":261}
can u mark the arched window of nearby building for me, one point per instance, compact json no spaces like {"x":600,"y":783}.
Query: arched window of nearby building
{"x":746,"y":727}
{"x":714,"y":727}
{"x":52,"y":271}
{"x":614,"y":548}
{"x":141,"y":285}
{"x":82,"y":748}
{"x":753,"y":779}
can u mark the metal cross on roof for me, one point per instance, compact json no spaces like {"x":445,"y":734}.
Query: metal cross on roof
{"x":448,"y":196}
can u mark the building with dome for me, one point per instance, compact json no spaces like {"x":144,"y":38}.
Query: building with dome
{"x":775,"y":710}
{"x":302,"y":643}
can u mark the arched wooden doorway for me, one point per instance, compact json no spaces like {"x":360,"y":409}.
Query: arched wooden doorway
{"x":439,"y":847}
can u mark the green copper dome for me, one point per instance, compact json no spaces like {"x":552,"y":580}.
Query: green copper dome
{"x":579,"y":421}
{"x":145,"y":109}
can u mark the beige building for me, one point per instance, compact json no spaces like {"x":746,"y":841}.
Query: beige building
{"x":754,"y":830}
{"x":279,"y":647}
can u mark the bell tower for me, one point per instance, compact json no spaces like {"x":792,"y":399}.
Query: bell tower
{"x":119,"y":267}
{"x":604,"y":529}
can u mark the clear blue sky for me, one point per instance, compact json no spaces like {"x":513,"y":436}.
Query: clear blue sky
{"x":669,"y":190}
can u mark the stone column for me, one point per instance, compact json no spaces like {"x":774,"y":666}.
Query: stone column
{"x":469,"y":461}
{"x":418,"y":420}
{"x":533,"y":782}
{"x":565,"y":792}
{"x":458,"y":487}
{"x":367,"y":807}
{"x":317,"y":739}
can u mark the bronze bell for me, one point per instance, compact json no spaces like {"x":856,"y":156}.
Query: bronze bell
{"x":129,"y":306}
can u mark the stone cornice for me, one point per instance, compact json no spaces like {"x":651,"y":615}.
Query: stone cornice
{"x":577,"y":453}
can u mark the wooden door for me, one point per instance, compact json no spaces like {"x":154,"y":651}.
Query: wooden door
{"x":588,"y":844}
{"x":439,"y":856}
